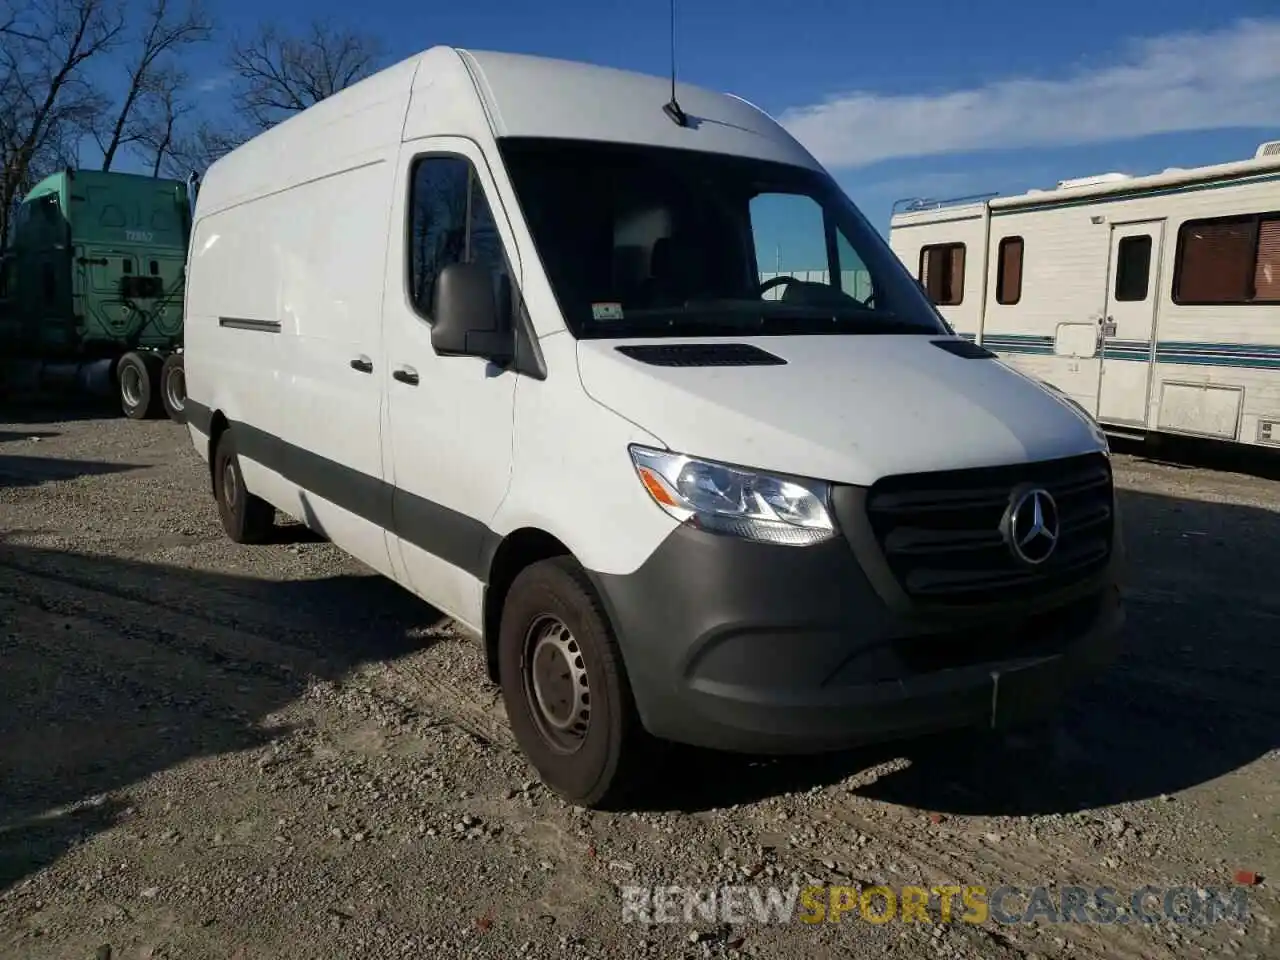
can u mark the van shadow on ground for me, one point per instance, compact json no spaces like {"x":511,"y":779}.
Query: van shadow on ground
{"x":98,"y":695}
{"x":1193,"y":453}
{"x":9,"y":436}
{"x":1192,"y":697}
{"x":92,"y":703}
{"x":35,"y":410}
{"x":22,"y":471}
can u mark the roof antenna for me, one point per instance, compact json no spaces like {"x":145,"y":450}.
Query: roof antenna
{"x":672,"y":108}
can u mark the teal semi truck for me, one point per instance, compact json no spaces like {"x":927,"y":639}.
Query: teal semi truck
{"x":91,"y":289}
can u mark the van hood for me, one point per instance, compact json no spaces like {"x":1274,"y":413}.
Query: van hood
{"x":849,"y":409}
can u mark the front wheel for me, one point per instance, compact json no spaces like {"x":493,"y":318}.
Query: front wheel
{"x":565,"y":687}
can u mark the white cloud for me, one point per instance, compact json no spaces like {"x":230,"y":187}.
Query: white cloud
{"x":214,"y":83}
{"x":1167,"y":84}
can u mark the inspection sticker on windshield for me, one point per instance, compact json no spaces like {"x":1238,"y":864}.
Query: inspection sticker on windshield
{"x":606,"y":311}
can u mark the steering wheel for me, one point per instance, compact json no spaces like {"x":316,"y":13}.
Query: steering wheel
{"x":775,"y":282}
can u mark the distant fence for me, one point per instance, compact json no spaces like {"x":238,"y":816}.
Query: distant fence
{"x":856,"y":283}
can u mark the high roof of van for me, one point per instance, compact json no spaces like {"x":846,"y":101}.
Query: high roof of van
{"x":479,"y":94}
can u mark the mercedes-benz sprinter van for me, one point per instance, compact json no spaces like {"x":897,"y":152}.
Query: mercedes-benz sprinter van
{"x":623,"y":382}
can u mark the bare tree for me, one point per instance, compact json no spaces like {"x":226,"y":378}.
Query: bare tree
{"x":165,"y":31}
{"x":156,"y":128}
{"x":278,"y":75}
{"x":195,"y":150}
{"x":46,"y":100}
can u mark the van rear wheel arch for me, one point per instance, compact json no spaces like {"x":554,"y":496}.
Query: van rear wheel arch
{"x":246,"y":518}
{"x":217,"y":426}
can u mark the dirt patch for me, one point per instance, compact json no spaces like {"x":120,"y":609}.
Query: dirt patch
{"x":213,"y":751}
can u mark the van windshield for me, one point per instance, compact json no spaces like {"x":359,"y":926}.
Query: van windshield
{"x":654,"y":241}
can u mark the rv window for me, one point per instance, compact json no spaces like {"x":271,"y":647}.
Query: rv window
{"x":942,"y":273}
{"x":1266,"y":271}
{"x":1133,"y":268}
{"x":1009,"y":271}
{"x":449,"y":222}
{"x":1228,"y":260}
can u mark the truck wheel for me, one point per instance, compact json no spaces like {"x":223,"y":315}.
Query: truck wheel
{"x":565,"y":687}
{"x":136,"y":379}
{"x":245,"y":517}
{"x":173,"y":388}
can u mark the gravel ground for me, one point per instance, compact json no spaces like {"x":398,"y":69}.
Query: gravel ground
{"x":246,"y":752}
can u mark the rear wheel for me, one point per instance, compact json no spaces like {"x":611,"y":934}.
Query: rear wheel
{"x":245,"y":517}
{"x":173,"y":388}
{"x":565,"y":687}
{"x":136,"y":377}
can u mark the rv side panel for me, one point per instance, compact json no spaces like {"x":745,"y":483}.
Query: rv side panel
{"x":1046,"y":293}
{"x":1217,"y":368}
{"x":930,"y":247}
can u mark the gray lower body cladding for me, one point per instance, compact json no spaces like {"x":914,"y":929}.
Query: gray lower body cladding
{"x":772,"y":649}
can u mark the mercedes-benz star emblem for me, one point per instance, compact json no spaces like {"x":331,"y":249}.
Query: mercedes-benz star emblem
{"x":1031,"y":525}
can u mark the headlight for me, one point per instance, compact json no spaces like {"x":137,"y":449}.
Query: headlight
{"x":723,"y":499}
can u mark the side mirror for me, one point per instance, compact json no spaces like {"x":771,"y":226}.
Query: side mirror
{"x":470,"y":315}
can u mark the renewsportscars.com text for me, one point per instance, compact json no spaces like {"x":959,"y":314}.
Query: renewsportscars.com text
{"x":972,"y":904}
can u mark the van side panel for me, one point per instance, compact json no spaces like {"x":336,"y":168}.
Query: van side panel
{"x":557,"y":470}
{"x":290,"y":292}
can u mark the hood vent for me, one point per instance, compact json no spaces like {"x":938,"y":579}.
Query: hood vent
{"x":701,"y":355}
{"x":964,"y":348}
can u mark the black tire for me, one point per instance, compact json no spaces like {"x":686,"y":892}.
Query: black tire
{"x":245,"y":517}
{"x":136,"y":380}
{"x":173,"y":388}
{"x":589,"y":758}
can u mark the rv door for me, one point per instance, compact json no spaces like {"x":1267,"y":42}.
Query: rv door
{"x":1127,"y":328}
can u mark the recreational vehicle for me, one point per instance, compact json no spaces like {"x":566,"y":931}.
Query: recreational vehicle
{"x":1153,"y":302}
{"x":498,"y":326}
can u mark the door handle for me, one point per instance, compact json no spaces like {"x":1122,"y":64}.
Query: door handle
{"x":363,"y":364}
{"x":407,"y":375}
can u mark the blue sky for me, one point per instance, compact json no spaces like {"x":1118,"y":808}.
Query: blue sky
{"x":931,"y":97}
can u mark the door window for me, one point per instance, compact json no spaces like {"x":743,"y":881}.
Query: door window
{"x":1133,"y":268}
{"x":450,"y":221}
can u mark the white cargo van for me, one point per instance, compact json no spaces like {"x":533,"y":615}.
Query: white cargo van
{"x":496,"y":326}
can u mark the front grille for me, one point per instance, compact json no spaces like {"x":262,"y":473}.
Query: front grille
{"x":940,"y":533}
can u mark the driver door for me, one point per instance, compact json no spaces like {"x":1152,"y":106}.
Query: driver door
{"x":448,"y":419}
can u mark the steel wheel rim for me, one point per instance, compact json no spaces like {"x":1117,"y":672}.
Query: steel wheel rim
{"x":230,"y":485}
{"x":176,"y":388}
{"x":131,"y":385}
{"x":556,"y":684}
